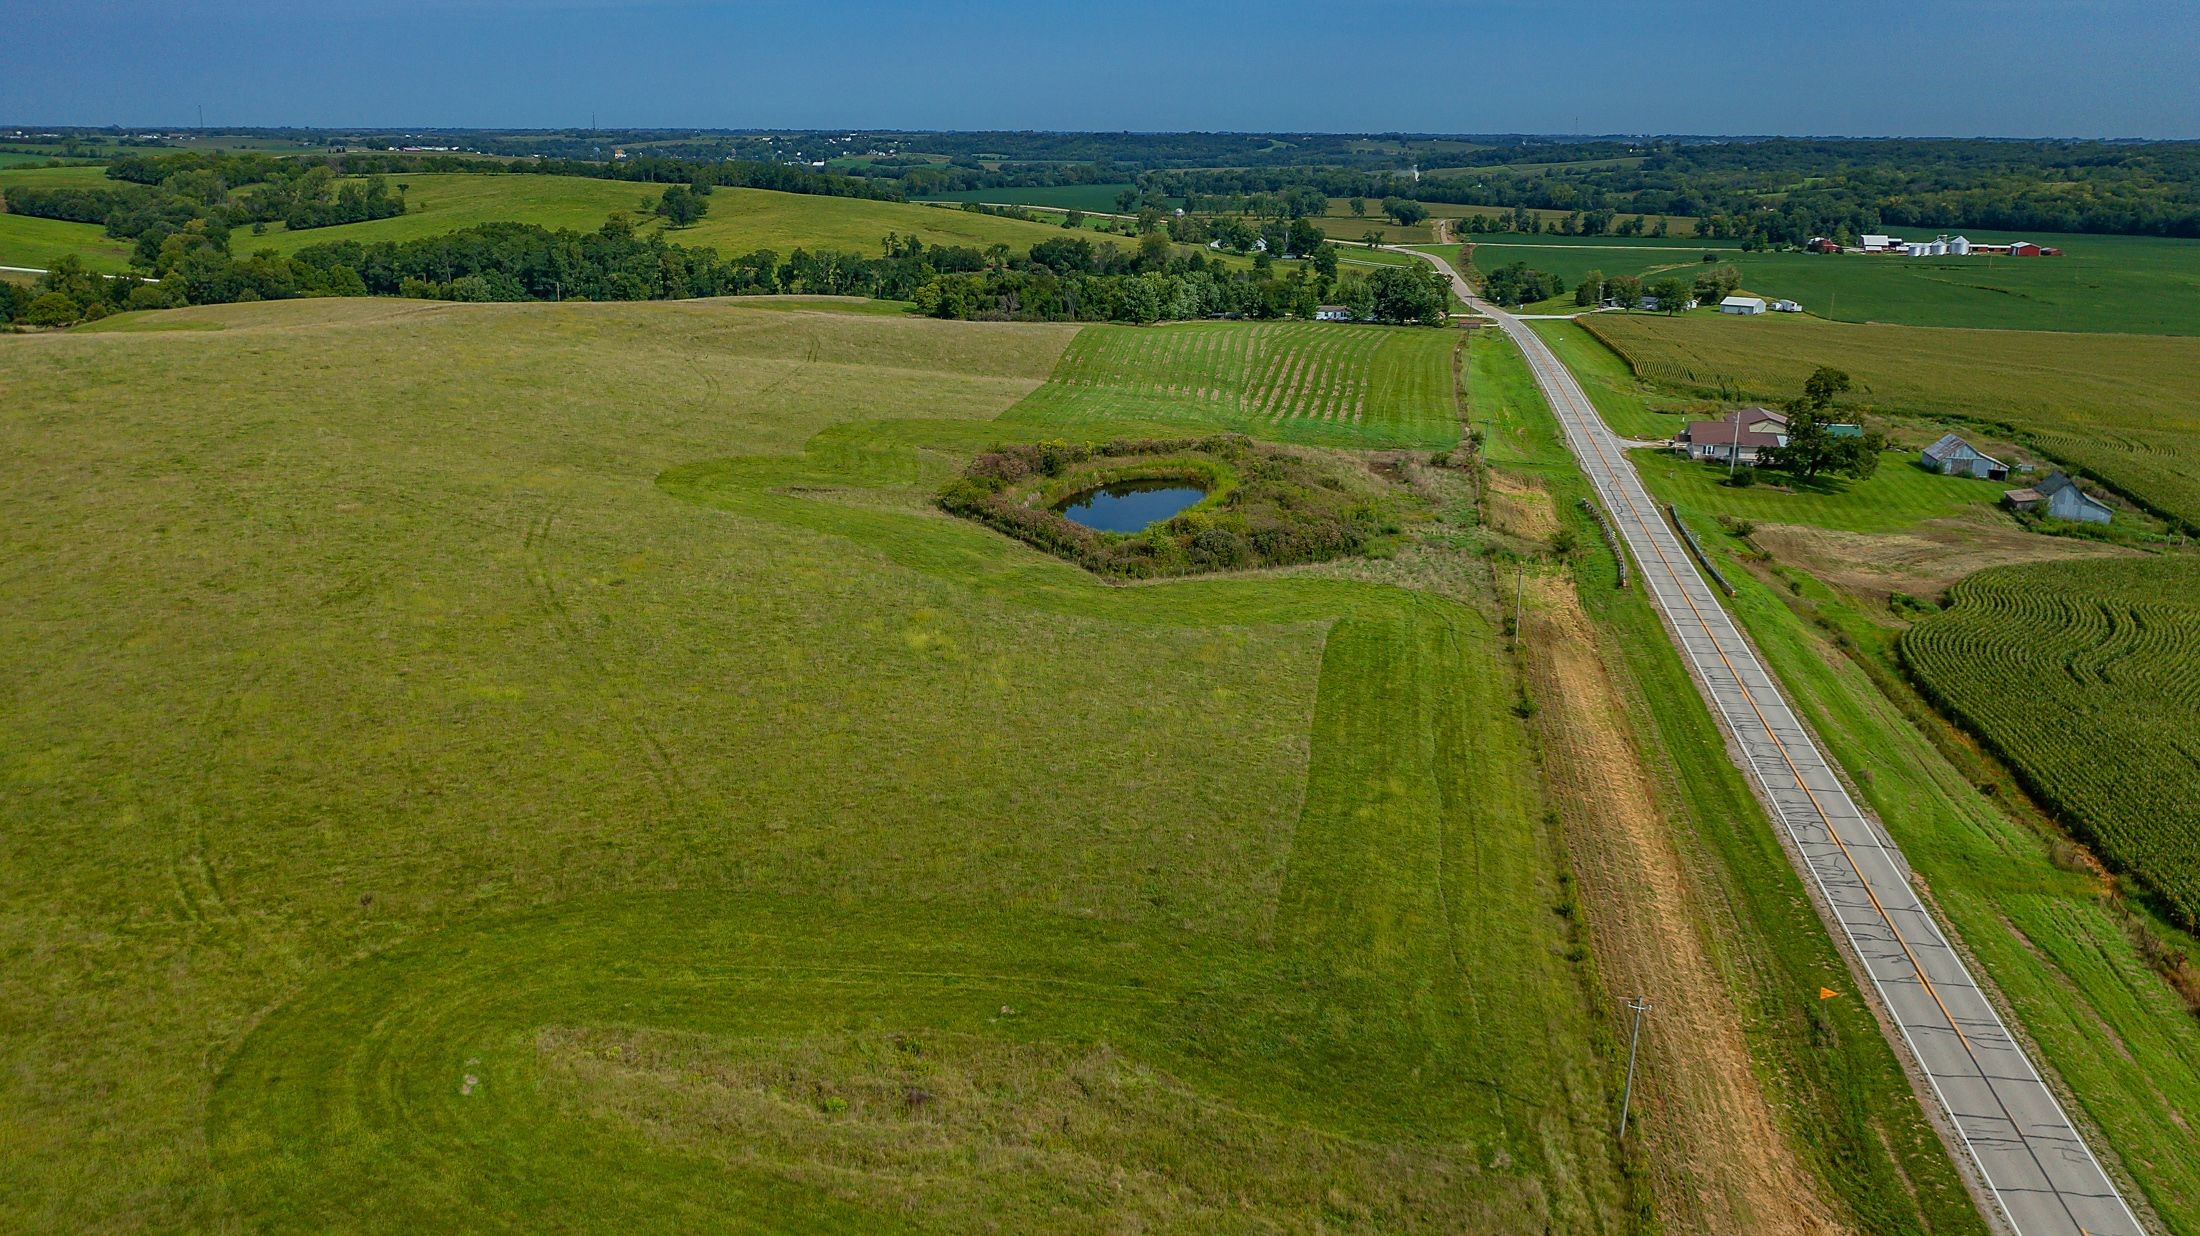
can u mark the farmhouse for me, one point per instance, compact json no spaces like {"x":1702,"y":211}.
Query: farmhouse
{"x":1952,"y":456}
{"x":1760,"y":420}
{"x":1727,"y":442}
{"x":1742,"y":304}
{"x":2060,"y":497}
{"x":1332,"y":313}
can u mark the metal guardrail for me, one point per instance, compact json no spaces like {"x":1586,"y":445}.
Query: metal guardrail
{"x":1611,"y":538}
{"x":1696,"y":548}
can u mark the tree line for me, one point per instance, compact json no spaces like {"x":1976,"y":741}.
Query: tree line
{"x":1064,"y":279}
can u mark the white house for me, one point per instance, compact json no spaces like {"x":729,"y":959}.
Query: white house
{"x":1651,"y":302}
{"x":1742,"y":304}
{"x":1332,"y":313}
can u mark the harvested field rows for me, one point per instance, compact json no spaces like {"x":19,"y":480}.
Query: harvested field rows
{"x":2085,"y":676}
{"x":1317,"y":382}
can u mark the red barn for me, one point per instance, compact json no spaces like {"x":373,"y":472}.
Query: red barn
{"x":2024,"y":248}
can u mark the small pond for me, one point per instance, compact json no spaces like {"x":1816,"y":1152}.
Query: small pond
{"x":1129,"y":506}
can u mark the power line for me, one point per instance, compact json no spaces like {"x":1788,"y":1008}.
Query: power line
{"x":1640,"y":1006}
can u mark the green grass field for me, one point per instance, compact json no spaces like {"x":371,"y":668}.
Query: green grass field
{"x":740,"y":220}
{"x":2130,"y":284}
{"x":2118,"y":284}
{"x":39,"y":243}
{"x":1320,"y":383}
{"x":2119,"y":407}
{"x":1073,"y":197}
{"x":2083,"y":676}
{"x":445,"y":788}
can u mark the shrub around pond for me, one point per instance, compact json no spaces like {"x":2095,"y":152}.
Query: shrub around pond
{"x":1264,"y":506}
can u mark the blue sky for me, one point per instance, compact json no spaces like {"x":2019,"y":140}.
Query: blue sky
{"x":1925,"y":67}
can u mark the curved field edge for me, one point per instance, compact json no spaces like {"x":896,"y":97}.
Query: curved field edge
{"x":2085,"y":679}
{"x":1388,"y":1014}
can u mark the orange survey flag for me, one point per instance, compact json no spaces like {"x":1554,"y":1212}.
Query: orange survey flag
{"x":1827,"y":993}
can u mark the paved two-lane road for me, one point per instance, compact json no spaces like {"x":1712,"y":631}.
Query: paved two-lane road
{"x":2027,"y":1154}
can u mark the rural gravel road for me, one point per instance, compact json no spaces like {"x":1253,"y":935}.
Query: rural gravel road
{"x":2030,"y":1158}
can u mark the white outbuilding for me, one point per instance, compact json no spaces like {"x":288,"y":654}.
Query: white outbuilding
{"x":1959,"y":246}
{"x":1742,"y":304}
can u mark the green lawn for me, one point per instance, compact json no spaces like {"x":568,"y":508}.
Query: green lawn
{"x":2120,"y":407}
{"x":552,"y":765}
{"x":1897,"y":497}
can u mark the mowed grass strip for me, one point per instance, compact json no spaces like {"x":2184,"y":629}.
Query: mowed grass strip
{"x":2120,"y":407}
{"x":2085,"y":677}
{"x":569,"y":767}
{"x":1318,"y":383}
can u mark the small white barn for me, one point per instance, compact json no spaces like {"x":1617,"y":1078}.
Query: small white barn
{"x":1875,"y":243}
{"x":1742,"y":304}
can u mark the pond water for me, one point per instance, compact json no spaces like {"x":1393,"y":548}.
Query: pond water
{"x":1129,"y":506}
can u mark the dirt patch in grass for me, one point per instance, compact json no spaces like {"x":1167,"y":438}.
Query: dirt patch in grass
{"x":1520,"y":508}
{"x":1719,"y":1159}
{"x":1924,"y":562}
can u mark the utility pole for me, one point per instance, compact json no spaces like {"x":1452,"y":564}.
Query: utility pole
{"x":1640,"y":1006}
{"x":1734,"y":448}
{"x":1520,"y":584}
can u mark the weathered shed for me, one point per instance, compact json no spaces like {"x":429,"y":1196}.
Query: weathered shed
{"x":1952,"y":456}
{"x":2060,"y":497}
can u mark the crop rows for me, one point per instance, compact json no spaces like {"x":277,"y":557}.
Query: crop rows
{"x":2085,"y":677}
{"x":1305,"y":380}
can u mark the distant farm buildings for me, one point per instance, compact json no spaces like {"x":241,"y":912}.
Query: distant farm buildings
{"x":2059,"y":496}
{"x":1742,"y":304}
{"x":1952,"y":456}
{"x":1786,"y":306}
{"x":1332,"y":313}
{"x":1939,"y":246}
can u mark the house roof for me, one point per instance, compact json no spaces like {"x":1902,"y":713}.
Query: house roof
{"x":1751,"y":416}
{"x":2022,"y":495}
{"x":1744,"y":300}
{"x":1720,"y":433}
